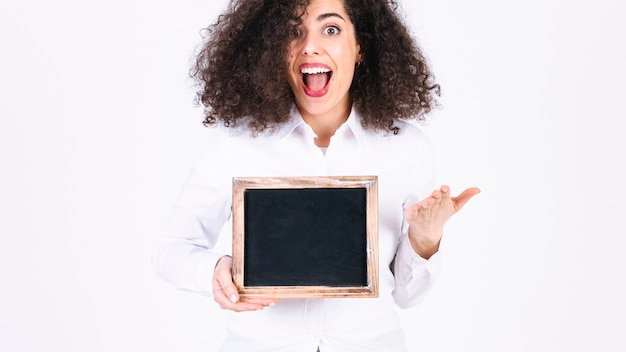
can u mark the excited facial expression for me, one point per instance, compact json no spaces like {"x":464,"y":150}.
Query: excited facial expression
{"x":322,"y":58}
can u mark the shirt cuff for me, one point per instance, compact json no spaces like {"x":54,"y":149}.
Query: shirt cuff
{"x":411,"y":266}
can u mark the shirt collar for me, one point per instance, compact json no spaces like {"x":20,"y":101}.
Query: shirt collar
{"x":352,"y":126}
{"x":287,"y":128}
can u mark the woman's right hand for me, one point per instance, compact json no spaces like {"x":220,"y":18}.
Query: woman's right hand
{"x":225,"y":292}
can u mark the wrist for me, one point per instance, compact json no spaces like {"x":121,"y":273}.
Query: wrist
{"x":425,"y":247}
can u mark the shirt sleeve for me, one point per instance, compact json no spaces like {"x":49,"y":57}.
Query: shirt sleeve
{"x":414,"y":275}
{"x":184,"y":254}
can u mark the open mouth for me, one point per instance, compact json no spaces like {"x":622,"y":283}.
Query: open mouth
{"x":315,"y":79}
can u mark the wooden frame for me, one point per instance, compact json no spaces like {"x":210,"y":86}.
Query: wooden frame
{"x":305,"y":236}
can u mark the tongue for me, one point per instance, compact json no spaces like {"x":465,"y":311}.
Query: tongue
{"x":316,"y":82}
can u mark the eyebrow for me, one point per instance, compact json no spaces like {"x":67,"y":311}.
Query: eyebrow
{"x":327,"y":15}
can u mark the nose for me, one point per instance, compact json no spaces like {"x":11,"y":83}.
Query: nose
{"x":310,"y":44}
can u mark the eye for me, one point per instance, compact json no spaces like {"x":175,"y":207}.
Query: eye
{"x":294,"y":32}
{"x":332,"y":30}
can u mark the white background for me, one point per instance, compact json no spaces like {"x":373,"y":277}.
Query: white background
{"x":98,"y":131}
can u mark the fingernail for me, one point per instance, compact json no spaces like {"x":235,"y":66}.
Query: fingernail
{"x":233,"y":298}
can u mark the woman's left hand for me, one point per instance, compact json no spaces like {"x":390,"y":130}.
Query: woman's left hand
{"x":427,"y":218}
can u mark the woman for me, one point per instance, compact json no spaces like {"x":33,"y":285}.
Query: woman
{"x":319,"y":87}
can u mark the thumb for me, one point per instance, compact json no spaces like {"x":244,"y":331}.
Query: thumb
{"x":464,"y":197}
{"x":223,"y":276}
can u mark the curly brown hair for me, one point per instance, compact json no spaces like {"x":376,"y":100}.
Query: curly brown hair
{"x":241,"y":69}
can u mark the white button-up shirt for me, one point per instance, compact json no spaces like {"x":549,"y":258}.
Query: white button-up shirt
{"x":189,"y":249}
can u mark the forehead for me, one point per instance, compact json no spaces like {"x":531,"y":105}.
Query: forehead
{"x":326,"y":6}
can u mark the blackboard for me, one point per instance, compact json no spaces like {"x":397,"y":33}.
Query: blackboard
{"x":305,"y":236}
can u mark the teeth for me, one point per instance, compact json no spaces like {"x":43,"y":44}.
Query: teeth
{"x":314,"y":70}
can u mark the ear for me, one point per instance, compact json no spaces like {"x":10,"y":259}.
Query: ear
{"x":359,"y":57}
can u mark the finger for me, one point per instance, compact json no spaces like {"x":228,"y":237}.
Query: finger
{"x":219,"y":295}
{"x":431,"y":200}
{"x":223,"y":276}
{"x":416,"y":209}
{"x":227,"y":287}
{"x":244,"y":306}
{"x":440,"y":196}
{"x":464,"y":197}
{"x":247,"y":304}
{"x":410,"y":213}
{"x":261,"y":300}
{"x":225,"y":292}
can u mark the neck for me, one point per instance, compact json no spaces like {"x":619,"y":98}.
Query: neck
{"x":325,"y":125}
